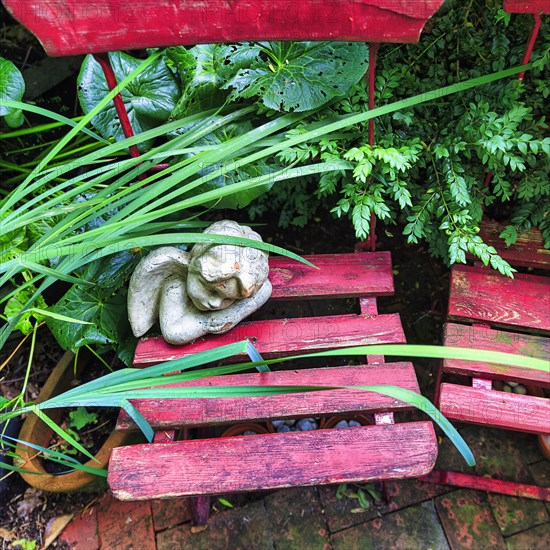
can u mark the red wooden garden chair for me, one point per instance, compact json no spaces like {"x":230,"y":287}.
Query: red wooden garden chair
{"x":490,"y":311}
{"x":384,"y":450}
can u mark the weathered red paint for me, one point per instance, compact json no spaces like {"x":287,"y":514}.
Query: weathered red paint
{"x":78,"y":26}
{"x":495,"y":408}
{"x":486,"y":299}
{"x":334,"y":275}
{"x":176,"y":413}
{"x":278,"y":337}
{"x":527,"y":6}
{"x":487,"y":484}
{"x":483,"y":295}
{"x":527,"y":251}
{"x":483,"y":337}
{"x":271,"y":461}
{"x":404,"y":450}
{"x":363,"y":274}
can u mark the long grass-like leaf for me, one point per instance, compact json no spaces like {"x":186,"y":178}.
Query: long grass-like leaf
{"x":47,"y":113}
{"x":58,"y":316}
{"x":93,"y":251}
{"x":139,"y":419}
{"x":61,"y":432}
{"x":80,"y":125}
{"x":52,"y":455}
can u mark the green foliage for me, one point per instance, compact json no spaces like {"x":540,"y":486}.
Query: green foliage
{"x":12,"y":86}
{"x":149,"y":98}
{"x":297,"y":76}
{"x":81,"y":417}
{"x":362,"y":492}
{"x":102,"y":306}
{"x":427,"y":170}
{"x":284,"y":76}
{"x":24,"y":544}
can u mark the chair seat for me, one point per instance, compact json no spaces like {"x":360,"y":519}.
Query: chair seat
{"x":527,"y":251}
{"x":278,"y":337}
{"x":508,"y":315}
{"x":272,"y":461}
{"x":384,"y":450}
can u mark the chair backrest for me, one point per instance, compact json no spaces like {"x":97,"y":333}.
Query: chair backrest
{"x":536,"y":7}
{"x":69,"y":27}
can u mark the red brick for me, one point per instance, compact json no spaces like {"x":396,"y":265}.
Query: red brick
{"x":411,"y":528}
{"x":237,"y":529}
{"x":515,"y":514}
{"x":296,"y":519}
{"x":532,"y":538}
{"x":81,"y":533}
{"x":125,"y":525}
{"x":468,"y":521}
{"x":169,"y":513}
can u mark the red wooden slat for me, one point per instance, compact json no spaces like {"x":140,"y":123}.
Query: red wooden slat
{"x":458,"y":479}
{"x":527,"y":6}
{"x":494,"y":408}
{"x":271,"y":461}
{"x":337,"y":275}
{"x":528,"y":250}
{"x":481,"y":337}
{"x":483,"y":295}
{"x":176,"y":413}
{"x":278,"y":337}
{"x":78,"y":26}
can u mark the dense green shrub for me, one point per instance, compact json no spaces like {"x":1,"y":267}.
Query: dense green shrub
{"x":429,"y":165}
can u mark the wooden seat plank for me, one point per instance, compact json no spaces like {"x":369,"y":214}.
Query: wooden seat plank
{"x":272,"y":461}
{"x":482,"y":337}
{"x":362,"y":274}
{"x":482,"y":295}
{"x":278,"y":337}
{"x":78,"y":26}
{"x":527,"y":251}
{"x":494,"y":408}
{"x":179,"y":413}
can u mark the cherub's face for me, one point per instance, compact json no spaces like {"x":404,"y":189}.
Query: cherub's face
{"x":224,"y":274}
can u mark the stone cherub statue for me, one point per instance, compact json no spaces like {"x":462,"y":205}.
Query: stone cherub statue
{"x":207,"y":290}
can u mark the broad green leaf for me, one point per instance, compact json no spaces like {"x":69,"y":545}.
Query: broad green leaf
{"x":12,"y":87}
{"x":204,"y":69}
{"x":300,"y":76}
{"x":15,"y":306}
{"x":100,"y":317}
{"x":149,"y":98}
{"x":81,"y":417}
{"x":99,"y":309}
{"x":200,"y":81}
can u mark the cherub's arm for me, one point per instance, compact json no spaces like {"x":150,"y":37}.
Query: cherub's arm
{"x":181,"y":322}
{"x":223,"y":320}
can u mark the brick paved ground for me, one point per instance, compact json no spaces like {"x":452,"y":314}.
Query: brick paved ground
{"x":417,"y":515}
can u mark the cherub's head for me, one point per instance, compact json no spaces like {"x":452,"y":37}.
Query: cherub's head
{"x":220,"y":274}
